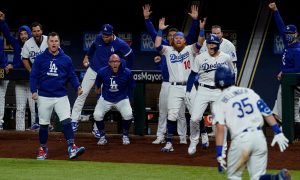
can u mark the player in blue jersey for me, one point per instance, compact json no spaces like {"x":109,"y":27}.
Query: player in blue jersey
{"x":22,"y":89}
{"x":290,"y":64}
{"x":115,"y":82}
{"x":106,"y":44}
{"x":50,"y":73}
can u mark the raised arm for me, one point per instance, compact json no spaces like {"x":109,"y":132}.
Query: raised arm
{"x":192,"y":34}
{"x":158,"y":38}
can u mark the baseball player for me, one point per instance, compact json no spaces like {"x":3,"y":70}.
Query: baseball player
{"x":22,"y":89}
{"x":179,"y":59}
{"x":48,"y":83}
{"x":161,"y":61}
{"x":242,"y":111}
{"x":3,"y":83}
{"x":290,"y":64}
{"x":106,"y":44}
{"x":204,"y":65}
{"x":116,"y":82}
{"x":227,"y":47}
{"x":34,"y":46}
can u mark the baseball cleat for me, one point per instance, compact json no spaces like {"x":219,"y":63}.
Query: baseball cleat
{"x":74,"y":126}
{"x":159,"y":141}
{"x":182,"y":140}
{"x":35,"y":127}
{"x":205,"y":141}
{"x":42,"y":153}
{"x":75,"y":151}
{"x":192,"y":148}
{"x":96,"y":133}
{"x":1,"y":124}
{"x":168,"y":147}
{"x":125,"y":140}
{"x":284,"y":175}
{"x":102,"y":141}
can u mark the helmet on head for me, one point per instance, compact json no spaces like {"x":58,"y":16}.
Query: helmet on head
{"x":224,"y":77}
{"x":213,"y":39}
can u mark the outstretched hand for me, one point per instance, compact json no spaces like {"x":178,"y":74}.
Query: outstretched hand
{"x":194,"y":12}
{"x":146,"y":11}
{"x":221,"y":164}
{"x":281,"y":140}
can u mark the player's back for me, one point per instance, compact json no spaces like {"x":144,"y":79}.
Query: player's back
{"x":241,"y":109}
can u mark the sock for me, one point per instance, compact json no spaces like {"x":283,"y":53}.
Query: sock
{"x":68,"y":131}
{"x":171,"y":128}
{"x":43,"y":135}
{"x":100,"y":125}
{"x":126,"y":126}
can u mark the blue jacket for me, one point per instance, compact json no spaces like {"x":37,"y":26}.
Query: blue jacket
{"x":15,"y":42}
{"x":3,"y":57}
{"x":100,"y":52}
{"x":115,"y":86}
{"x":291,"y":56}
{"x":51,"y":73}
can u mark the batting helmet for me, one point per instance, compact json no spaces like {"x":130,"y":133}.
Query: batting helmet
{"x":224,"y":77}
{"x":213,"y":39}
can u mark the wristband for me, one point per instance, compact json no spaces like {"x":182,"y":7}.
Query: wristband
{"x":202,"y":32}
{"x":159,"y":33}
{"x":276,"y":129}
{"x":219,"y":150}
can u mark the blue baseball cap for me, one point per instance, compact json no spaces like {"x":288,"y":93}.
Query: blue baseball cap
{"x":107,"y":29}
{"x":290,"y":29}
{"x":178,"y":34}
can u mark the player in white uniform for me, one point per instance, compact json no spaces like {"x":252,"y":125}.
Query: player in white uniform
{"x":241,"y":110}
{"x":179,"y":59}
{"x":205,"y":65}
{"x":34,"y":46}
{"x":226,"y":46}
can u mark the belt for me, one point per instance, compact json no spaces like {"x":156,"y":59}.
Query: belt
{"x":207,"y":86}
{"x":252,"y":129}
{"x":178,"y":83}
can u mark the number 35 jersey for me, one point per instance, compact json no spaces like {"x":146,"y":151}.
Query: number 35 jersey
{"x":239,"y":109}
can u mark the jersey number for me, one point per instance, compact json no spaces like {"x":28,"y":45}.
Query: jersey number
{"x":243,"y":107}
{"x":187,"y":65}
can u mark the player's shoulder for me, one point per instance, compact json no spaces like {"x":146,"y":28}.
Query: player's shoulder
{"x":227,"y":43}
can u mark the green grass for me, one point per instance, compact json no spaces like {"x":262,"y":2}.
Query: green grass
{"x":61,"y":169}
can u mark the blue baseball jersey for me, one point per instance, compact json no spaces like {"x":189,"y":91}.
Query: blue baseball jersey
{"x":3,"y":58}
{"x":15,"y":42}
{"x":51,"y":73}
{"x":115,"y":86}
{"x":100,"y":52}
{"x":291,"y":56}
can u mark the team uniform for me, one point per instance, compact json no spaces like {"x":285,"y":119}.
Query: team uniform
{"x":204,"y":65}
{"x":242,"y":111}
{"x":179,"y":67}
{"x":290,"y":64}
{"x":99,"y":53}
{"x":22,"y":89}
{"x":29,"y":51}
{"x":227,"y":47}
{"x":163,"y":94}
{"x":114,"y":94}
{"x":3,"y":83}
{"x":49,"y":77}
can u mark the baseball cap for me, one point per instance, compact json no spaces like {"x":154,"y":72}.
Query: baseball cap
{"x":107,"y":29}
{"x":290,"y":29}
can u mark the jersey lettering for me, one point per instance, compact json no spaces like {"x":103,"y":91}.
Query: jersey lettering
{"x":52,"y":69}
{"x":174,"y":58}
{"x":113,"y":85}
{"x":243,"y":107}
{"x":187,"y":65}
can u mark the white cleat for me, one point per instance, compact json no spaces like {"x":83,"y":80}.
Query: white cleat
{"x":192,"y":148}
{"x":159,"y":141}
{"x":182,"y":140}
{"x":168,"y":147}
